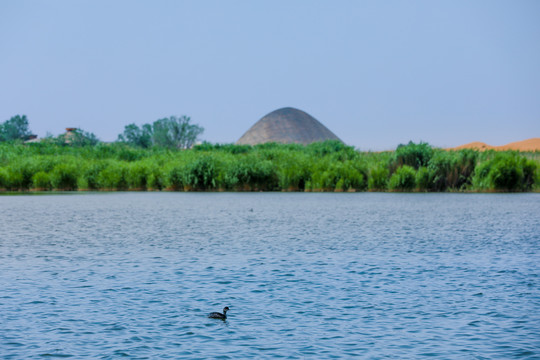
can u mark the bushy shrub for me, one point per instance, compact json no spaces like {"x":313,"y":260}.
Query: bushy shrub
{"x":41,"y":180}
{"x":414,"y":155}
{"x":378,"y":178}
{"x":89,"y":175}
{"x":247,"y":172}
{"x":467,"y":159}
{"x":506,"y":175}
{"x":451,"y":169}
{"x":334,"y":148}
{"x":137,"y":174}
{"x":3,"y":178}
{"x":113,"y":176}
{"x":322,"y":180}
{"x":330,"y":175}
{"x":175,"y":177}
{"x":237,"y":173}
{"x":292,"y":171}
{"x":264,"y":176}
{"x":423,"y":179}
{"x":202,"y":173}
{"x":529,"y":174}
{"x":351,"y":174}
{"x":481,"y":179}
{"x":20,"y":173}
{"x":64,"y":176}
{"x":157,"y":179}
{"x":404,"y":179}
{"x":505,"y":172}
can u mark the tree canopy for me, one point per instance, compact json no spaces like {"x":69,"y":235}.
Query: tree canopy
{"x":140,"y":137}
{"x":170,"y":132}
{"x":15,"y":128}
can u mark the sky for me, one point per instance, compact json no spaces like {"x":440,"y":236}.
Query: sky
{"x":376,"y":73}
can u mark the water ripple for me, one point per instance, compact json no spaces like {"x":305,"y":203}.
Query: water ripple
{"x":106,"y":276}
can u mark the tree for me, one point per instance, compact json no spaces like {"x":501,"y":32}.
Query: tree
{"x":15,"y":128}
{"x":173,"y":132}
{"x":136,"y":136}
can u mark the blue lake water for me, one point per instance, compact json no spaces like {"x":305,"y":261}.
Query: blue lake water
{"x":317,"y":276}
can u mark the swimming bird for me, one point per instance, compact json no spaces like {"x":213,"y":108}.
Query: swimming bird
{"x":218,"y":315}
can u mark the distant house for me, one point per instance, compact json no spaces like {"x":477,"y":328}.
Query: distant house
{"x":69,"y":135}
{"x":287,"y":125}
{"x":32,"y":139}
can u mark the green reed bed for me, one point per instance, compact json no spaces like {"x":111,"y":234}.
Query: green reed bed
{"x":327,"y":166}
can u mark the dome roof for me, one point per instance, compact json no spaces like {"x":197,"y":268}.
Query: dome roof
{"x":287,"y":125}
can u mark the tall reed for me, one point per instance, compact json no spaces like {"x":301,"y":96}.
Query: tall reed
{"x":327,"y":166}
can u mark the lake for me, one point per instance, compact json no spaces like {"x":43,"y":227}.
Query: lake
{"x":306,"y":275}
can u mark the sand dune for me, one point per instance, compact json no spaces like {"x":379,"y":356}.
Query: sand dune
{"x":532,"y":144}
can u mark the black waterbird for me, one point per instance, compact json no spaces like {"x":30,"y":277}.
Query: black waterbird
{"x":218,"y":315}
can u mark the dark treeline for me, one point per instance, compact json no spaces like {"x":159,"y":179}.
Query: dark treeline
{"x":327,"y":166}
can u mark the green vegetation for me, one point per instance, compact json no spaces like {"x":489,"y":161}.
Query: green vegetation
{"x":15,"y":128}
{"x":507,"y":172}
{"x":403,"y":179}
{"x":327,"y":166}
{"x":161,"y":156}
{"x":76,"y":137}
{"x":172,"y":132}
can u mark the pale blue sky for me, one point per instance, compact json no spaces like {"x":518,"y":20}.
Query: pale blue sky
{"x":376,"y":73}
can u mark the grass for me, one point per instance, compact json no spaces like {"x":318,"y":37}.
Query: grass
{"x":327,"y":166}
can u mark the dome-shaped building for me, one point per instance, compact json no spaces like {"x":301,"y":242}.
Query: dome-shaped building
{"x":287,"y":125}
